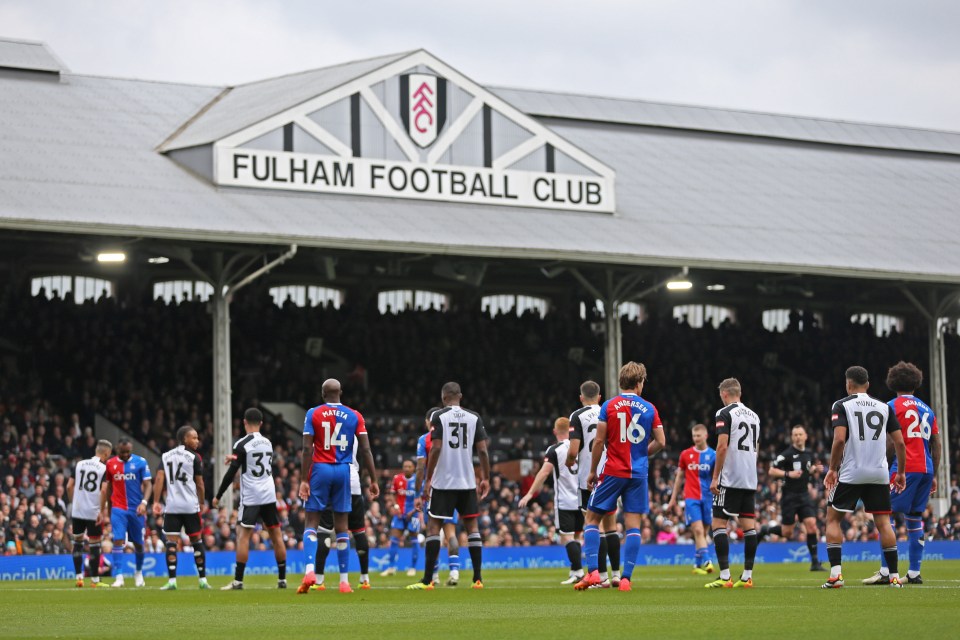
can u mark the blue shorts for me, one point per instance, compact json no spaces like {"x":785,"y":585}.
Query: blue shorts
{"x":127,"y":525}
{"x":454,"y":520}
{"x":636,"y":498}
{"x":694,"y":510}
{"x":410,"y":523}
{"x":915,"y":497}
{"x":329,"y":488}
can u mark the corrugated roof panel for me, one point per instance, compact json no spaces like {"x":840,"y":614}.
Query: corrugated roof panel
{"x":30,"y":56}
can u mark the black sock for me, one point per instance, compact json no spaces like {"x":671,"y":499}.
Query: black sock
{"x":171,"y":559}
{"x":475,"y":543}
{"x":749,"y":548}
{"x":238,"y":572}
{"x":602,"y":555}
{"x":95,"y":559}
{"x":432,"y":555}
{"x":323,"y":550}
{"x":282,"y":570}
{"x":834,"y":553}
{"x":890,"y":555}
{"x":78,"y":556}
{"x":613,"y":549}
{"x":812,"y":547}
{"x":362,"y":545}
{"x":721,"y":543}
{"x":573,"y":553}
{"x":200,"y":557}
{"x":776,"y":530}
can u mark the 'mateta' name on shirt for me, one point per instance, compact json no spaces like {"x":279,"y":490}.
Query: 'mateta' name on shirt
{"x":331,"y":412}
{"x":262,"y":169}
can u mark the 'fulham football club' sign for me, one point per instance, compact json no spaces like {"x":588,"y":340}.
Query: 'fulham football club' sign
{"x":423,"y":106}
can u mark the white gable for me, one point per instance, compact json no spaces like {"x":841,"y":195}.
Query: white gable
{"x":415,"y":128}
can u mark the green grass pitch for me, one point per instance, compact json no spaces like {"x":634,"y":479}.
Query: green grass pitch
{"x":666,"y":602}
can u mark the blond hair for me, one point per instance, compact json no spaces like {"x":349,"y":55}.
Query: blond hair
{"x":632,"y":375}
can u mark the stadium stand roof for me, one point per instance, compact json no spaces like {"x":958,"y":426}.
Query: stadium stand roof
{"x":697,"y":187}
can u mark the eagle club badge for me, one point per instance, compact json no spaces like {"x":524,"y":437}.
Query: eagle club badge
{"x":423,"y":106}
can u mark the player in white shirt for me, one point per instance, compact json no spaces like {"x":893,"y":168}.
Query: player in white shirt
{"x":566,"y":496}
{"x":253,"y":458}
{"x":859,"y":471}
{"x":181,"y":473}
{"x":84,"y":490}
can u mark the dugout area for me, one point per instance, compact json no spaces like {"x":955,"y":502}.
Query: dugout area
{"x":756,"y":212}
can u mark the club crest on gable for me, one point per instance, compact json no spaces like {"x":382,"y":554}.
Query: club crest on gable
{"x":423,"y":106}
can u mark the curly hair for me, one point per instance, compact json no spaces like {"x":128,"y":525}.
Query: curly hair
{"x":904,"y":377}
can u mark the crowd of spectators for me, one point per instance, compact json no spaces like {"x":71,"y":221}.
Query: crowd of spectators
{"x":147,"y":367}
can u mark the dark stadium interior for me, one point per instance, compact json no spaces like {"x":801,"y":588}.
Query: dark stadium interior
{"x":146,"y":365}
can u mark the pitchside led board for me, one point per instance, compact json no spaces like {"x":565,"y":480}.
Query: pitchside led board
{"x":416,"y":129}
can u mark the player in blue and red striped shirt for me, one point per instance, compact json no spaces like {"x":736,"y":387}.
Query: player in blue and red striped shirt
{"x":406,"y":518}
{"x":328,"y":434}
{"x":695,"y":470}
{"x":130,"y":483}
{"x":628,"y":432}
{"x":921,"y":436}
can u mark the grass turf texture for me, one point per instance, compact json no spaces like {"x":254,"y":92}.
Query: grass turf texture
{"x":666,"y":601}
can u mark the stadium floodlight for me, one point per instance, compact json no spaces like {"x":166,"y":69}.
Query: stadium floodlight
{"x":679,"y":285}
{"x":111,"y":256}
{"x":716,"y":287}
{"x":159,"y":260}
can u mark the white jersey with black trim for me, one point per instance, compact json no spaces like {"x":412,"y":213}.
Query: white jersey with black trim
{"x":868,"y":421}
{"x":742,"y":425}
{"x":565,"y":484}
{"x":455,"y":430}
{"x":583,"y":427}
{"x":255,"y":453}
{"x":181,"y":466}
{"x":87,"y":479}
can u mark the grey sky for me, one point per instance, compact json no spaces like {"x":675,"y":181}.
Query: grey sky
{"x":870,"y":60}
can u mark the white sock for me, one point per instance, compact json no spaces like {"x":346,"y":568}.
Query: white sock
{"x":725,"y":574}
{"x":320,"y":579}
{"x":616,"y":574}
{"x":96,"y":580}
{"x":746,"y":575}
{"x":834,"y":571}
{"x":912,"y":574}
{"x":884,"y":571}
{"x":138,"y":574}
{"x":79,"y":576}
{"x":603,"y":576}
{"x":310,"y":568}
{"x":894,"y":575}
{"x":364,"y":577}
{"x":344,"y":577}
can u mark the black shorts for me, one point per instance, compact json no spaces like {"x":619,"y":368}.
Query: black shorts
{"x":443,"y":502}
{"x":876,"y":498}
{"x":795,"y":506}
{"x":189,"y":522}
{"x":733,"y":502}
{"x":266,"y":513}
{"x":356,"y":521}
{"x":584,"y":498}
{"x":89,"y":527}
{"x":568,"y":521}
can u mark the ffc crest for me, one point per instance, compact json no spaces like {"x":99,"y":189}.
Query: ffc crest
{"x":423,"y":106}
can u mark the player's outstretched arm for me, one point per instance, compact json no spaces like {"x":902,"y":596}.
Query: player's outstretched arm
{"x":158,"y":491}
{"x":367,"y":456}
{"x":483,"y":488}
{"x":545,"y":470}
{"x":228,"y":478}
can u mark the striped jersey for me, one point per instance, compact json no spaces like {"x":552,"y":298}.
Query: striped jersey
{"x":918,"y":423}
{"x":697,"y":467}
{"x":583,"y":427}
{"x":742,"y":425}
{"x":566,"y":494}
{"x":182,"y":466}
{"x":126,"y":481}
{"x":867,"y":421}
{"x":87,"y":479}
{"x":630,"y":423}
{"x":405,"y":490}
{"x":334,"y":428}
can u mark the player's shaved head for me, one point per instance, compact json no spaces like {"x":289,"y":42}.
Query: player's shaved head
{"x":331,"y":390}
{"x":450,"y":392}
{"x":904,"y":377}
{"x":104,"y":447}
{"x":589,"y":390}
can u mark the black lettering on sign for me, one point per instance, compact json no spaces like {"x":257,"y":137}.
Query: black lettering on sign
{"x":540,"y":182}
{"x":458,"y":183}
{"x":343,"y":178}
{"x":593,"y":193}
{"x":439,"y":173}
{"x":320,"y":174}
{"x":419,"y":180}
{"x":273,"y":170}
{"x":298,"y":166}
{"x":376,"y":173}
{"x":239,"y":163}
{"x":397,"y":184}
{"x":506,"y":189}
{"x":477,"y":185}
{"x":578,"y":198}
{"x":266,"y":168}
